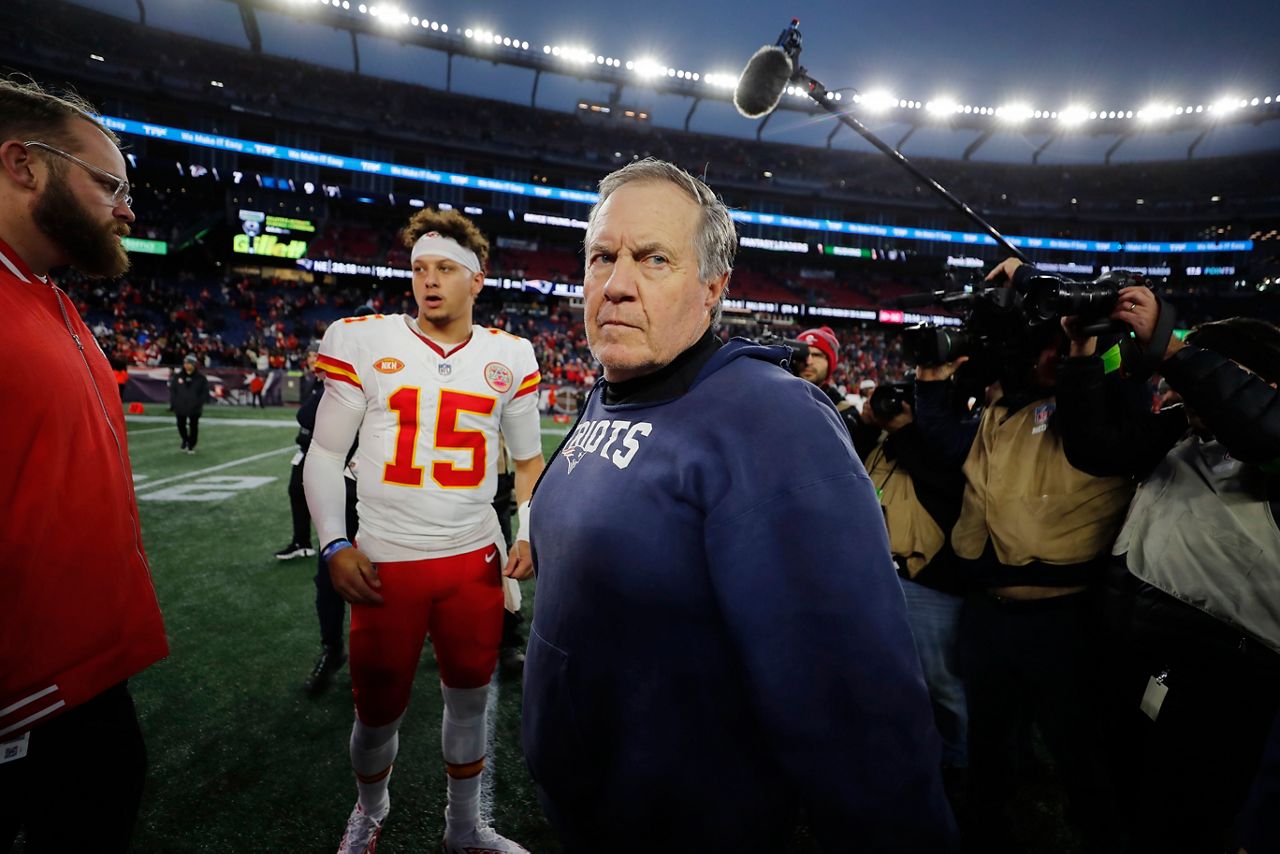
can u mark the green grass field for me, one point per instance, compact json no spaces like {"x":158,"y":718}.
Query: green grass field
{"x":241,"y":759}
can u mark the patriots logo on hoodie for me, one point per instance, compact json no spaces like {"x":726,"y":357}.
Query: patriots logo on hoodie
{"x":574,"y":455}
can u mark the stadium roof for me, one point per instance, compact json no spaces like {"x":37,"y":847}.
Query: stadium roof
{"x":996,"y":80}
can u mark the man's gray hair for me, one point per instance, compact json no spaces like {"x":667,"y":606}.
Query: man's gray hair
{"x":716,"y":241}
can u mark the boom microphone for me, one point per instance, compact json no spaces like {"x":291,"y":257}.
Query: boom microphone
{"x":772,"y":68}
{"x":760,"y":87}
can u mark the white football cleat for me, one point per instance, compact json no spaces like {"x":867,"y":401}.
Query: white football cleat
{"x":362,"y":833}
{"x":482,"y":840}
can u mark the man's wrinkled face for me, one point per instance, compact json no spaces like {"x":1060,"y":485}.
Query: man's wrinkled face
{"x":645,"y":302}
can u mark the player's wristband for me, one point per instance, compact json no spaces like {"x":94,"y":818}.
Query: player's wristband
{"x":333,"y":548}
{"x":522,"y":517}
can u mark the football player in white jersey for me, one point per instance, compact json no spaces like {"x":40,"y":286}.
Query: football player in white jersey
{"x":427,"y":398}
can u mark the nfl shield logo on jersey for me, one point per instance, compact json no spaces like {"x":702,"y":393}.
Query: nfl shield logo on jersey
{"x":444,"y":368}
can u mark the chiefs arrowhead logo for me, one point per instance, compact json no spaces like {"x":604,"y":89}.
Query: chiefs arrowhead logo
{"x":388,"y":365}
{"x":498,"y":376}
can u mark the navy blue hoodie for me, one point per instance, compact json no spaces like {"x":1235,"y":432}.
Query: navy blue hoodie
{"x":719,"y":639}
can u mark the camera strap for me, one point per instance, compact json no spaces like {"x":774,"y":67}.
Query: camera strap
{"x":1140,"y":364}
{"x":1160,"y":338}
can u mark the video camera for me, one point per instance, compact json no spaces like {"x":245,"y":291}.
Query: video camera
{"x":888,"y":399}
{"x":999,"y":321}
{"x":1046,"y":298}
{"x":799,"y":349}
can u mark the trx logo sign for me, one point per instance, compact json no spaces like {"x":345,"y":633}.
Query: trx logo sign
{"x":615,"y":441}
{"x":388,"y":365}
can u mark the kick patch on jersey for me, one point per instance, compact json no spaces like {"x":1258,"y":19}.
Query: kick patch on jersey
{"x":388,"y":365}
{"x":499,"y":377}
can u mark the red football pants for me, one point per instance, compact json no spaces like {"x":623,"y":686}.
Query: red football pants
{"x":457,"y":599}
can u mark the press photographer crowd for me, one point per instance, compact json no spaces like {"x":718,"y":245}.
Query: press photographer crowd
{"x":1076,"y":561}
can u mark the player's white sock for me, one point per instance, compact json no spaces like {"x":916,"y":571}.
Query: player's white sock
{"x":373,"y":751}
{"x":462,"y":740}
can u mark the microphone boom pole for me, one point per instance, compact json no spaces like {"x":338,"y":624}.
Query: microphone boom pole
{"x":818,"y":93}
{"x":772,"y":67}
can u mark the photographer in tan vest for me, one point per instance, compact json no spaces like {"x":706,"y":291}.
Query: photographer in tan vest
{"x":920,"y":496}
{"x":1031,"y":540}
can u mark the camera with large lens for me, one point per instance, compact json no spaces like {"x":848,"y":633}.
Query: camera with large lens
{"x":929,"y":344}
{"x":888,"y":399}
{"x":991,"y":316}
{"x":1046,"y":297}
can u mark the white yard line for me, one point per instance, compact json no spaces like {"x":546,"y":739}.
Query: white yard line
{"x":206,"y":422}
{"x":254,"y":422}
{"x":162,"y":481}
{"x":133,"y":433}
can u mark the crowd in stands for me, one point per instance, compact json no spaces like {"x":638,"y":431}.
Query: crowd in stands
{"x":260,"y":324}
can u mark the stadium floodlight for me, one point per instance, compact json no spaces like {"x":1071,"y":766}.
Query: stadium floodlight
{"x":577,"y":54}
{"x":647,"y":67}
{"x":469,"y":33}
{"x":1013,"y":113}
{"x":878,"y":100}
{"x":720,"y":80}
{"x":1156,"y":112}
{"x":1074,"y":115}
{"x":1225,"y":104}
{"x":364,"y":10}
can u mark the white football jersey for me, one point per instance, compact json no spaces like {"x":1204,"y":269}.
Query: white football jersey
{"x":428,"y":458}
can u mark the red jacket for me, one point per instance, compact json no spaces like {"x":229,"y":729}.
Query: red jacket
{"x":79,"y":611}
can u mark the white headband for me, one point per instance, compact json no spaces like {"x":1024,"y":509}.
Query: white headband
{"x":434,"y":243}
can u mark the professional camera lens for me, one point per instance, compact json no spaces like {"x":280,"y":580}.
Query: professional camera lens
{"x":1049,"y":297}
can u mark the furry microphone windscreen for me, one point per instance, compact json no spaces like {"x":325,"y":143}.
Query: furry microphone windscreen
{"x":764,"y":78}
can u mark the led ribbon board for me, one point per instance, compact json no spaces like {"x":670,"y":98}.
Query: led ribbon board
{"x":455,"y":179}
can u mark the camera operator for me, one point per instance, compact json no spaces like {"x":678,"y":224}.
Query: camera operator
{"x":1195,"y":579}
{"x":1032,"y":537}
{"x":824,"y":348}
{"x":920,"y":495}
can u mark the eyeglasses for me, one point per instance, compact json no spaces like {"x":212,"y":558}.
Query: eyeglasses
{"x":118,"y":186}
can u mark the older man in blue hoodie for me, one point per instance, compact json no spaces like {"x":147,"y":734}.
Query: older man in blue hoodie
{"x":707,"y":517}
